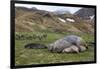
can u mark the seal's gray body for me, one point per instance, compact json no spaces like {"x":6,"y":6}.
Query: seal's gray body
{"x":66,"y":43}
{"x":75,"y":40}
{"x":59,"y":45}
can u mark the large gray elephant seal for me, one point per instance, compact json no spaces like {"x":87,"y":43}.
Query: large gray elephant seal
{"x":70,"y":42}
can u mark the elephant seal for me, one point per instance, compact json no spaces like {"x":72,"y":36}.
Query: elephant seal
{"x":35,"y":46}
{"x":71,"y":41}
{"x":74,"y":49}
{"x":71,"y":49}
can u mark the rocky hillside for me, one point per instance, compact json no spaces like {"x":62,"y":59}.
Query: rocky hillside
{"x":85,"y":13}
{"x":33,"y":20}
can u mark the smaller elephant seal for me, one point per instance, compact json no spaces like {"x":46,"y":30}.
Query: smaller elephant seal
{"x":71,"y":49}
{"x":74,"y":49}
{"x":35,"y":46}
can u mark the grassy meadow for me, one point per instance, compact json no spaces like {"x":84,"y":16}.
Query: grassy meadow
{"x":43,"y":56}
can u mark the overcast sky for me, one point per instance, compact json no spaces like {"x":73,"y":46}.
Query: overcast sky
{"x":50,"y":8}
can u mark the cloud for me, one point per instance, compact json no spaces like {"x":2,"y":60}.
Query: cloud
{"x":50,"y":8}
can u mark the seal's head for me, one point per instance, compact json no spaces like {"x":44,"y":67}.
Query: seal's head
{"x":82,"y":48}
{"x":50,"y":47}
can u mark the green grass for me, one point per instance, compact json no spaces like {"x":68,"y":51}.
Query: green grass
{"x":43,"y":56}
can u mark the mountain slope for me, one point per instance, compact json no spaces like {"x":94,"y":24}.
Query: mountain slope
{"x":35,"y":20}
{"x":85,"y":13}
